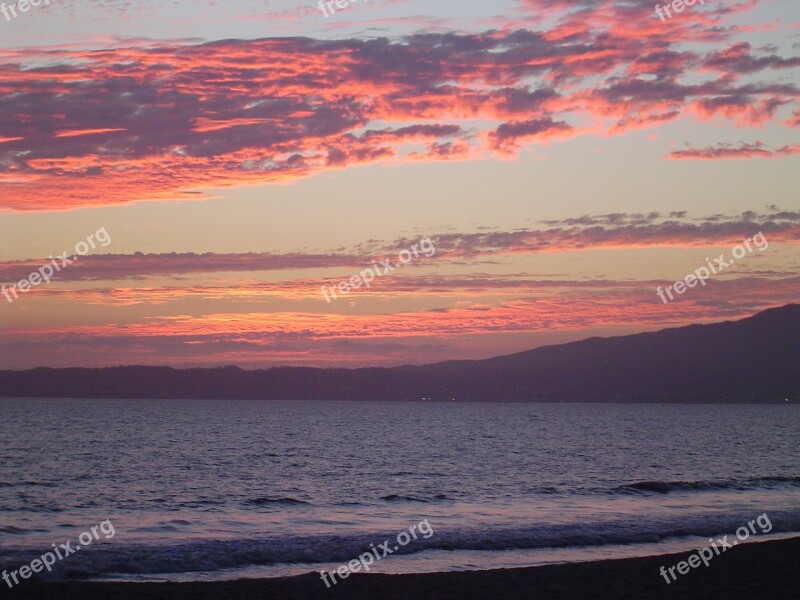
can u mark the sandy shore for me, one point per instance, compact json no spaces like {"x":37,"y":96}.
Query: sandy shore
{"x":765,"y":570}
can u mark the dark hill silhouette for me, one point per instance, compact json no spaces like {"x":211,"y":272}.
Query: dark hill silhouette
{"x":756,"y":359}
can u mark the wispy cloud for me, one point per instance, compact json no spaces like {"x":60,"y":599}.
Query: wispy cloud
{"x":727,"y":151}
{"x":588,"y":232}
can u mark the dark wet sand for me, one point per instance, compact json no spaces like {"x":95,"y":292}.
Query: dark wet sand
{"x":762,"y":571}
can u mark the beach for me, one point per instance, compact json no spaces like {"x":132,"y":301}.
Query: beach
{"x":763,"y":570}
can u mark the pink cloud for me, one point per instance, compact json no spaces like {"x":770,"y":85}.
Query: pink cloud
{"x":155,"y":121}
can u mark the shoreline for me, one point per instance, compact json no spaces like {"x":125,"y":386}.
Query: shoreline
{"x":765,"y":569}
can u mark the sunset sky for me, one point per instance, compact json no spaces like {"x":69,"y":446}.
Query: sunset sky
{"x":565,"y":158}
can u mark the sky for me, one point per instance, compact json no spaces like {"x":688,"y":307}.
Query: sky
{"x":219,"y":168}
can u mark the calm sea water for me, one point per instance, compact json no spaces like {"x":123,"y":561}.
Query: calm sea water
{"x":224,"y":489}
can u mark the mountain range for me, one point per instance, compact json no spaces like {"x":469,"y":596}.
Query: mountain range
{"x":753,"y":360}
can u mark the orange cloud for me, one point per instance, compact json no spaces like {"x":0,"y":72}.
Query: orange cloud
{"x":477,"y":326}
{"x":79,"y":132}
{"x":84,"y":131}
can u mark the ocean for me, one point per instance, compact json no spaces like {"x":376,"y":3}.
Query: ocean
{"x":210,"y":490}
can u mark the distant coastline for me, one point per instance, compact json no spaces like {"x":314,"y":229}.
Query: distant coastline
{"x":753,"y":360}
